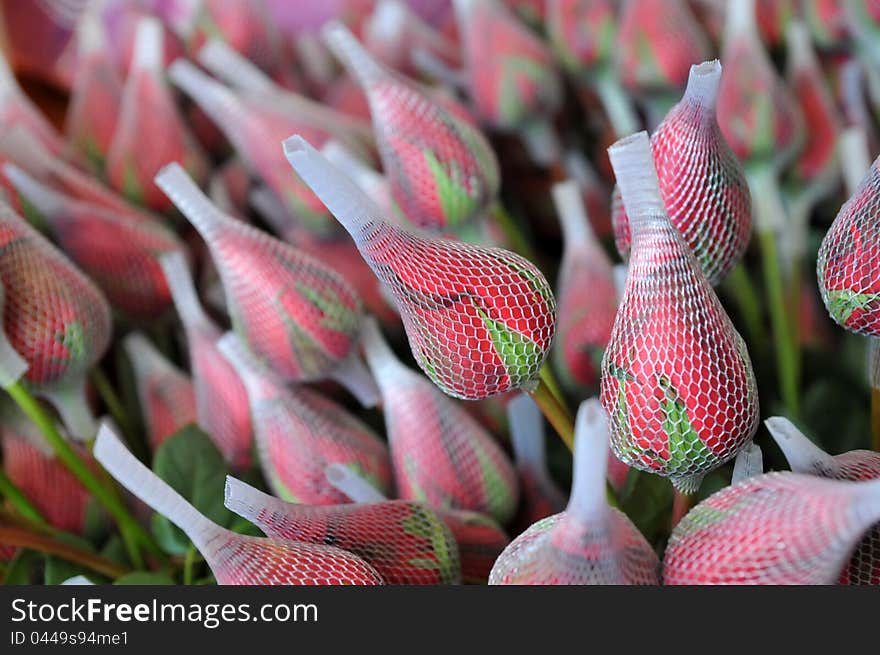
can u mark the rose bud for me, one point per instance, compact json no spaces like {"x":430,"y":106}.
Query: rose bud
{"x":121,"y":255}
{"x":480,"y":539}
{"x":440,"y":454}
{"x":96,"y":96}
{"x":23,"y":148}
{"x":702,"y":182}
{"x":296,"y":314}
{"x":299,"y":432}
{"x":255,"y":128}
{"x":657,"y":43}
{"x":676,"y":376}
{"x":441,"y":171}
{"x":221,"y":400}
{"x":757,"y":116}
{"x":541,"y":496}
{"x":849,"y":260}
{"x":510,"y":72}
{"x":17,"y":109}
{"x":165,"y":393}
{"x":150,"y":131}
{"x":54,"y":317}
{"x":587,"y":294}
{"x":805,"y":457}
{"x":590,"y":543}
{"x":31,"y":465}
{"x":234,"y":559}
{"x":828,"y":24}
{"x":773,"y":529}
{"x":406,"y":542}
{"x":480,"y":321}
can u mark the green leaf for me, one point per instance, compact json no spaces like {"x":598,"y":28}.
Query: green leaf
{"x":843,"y":302}
{"x":114,"y":550}
{"x":684,"y":444}
{"x":24,"y":568}
{"x":58,"y":569}
{"x":190,"y":462}
{"x":144,"y":578}
{"x":131,"y":186}
{"x":519,"y":354}
{"x":457,"y":203}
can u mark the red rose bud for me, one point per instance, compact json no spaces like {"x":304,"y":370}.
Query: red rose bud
{"x":119,"y":254}
{"x":254,"y":128}
{"x":657,"y":42}
{"x":757,"y":115}
{"x":773,"y":17}
{"x":55,"y":318}
{"x":582,"y":32}
{"x":702,"y":182}
{"x":221,"y":400}
{"x":828,"y":23}
{"x":299,"y":433}
{"x":676,"y":376}
{"x":817,"y":165}
{"x":587,"y":293}
{"x":296,"y":314}
{"x":440,"y":454}
{"x":480,"y":321}
{"x":441,"y":170}
{"x":341,"y":255}
{"x":511,"y":76}
{"x":30,"y":463}
{"x":805,"y":457}
{"x":166,"y":393}
{"x":540,"y":495}
{"x":480,"y":539}
{"x":849,"y":260}
{"x":394,"y":32}
{"x":24,"y":149}
{"x":589,"y":543}
{"x":406,"y":542}
{"x":150,"y":131}
{"x":778,"y":528}
{"x":96,"y":96}
{"x":17,"y":109}
{"x":234,"y":559}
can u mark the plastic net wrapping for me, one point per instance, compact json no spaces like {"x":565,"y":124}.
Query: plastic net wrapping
{"x":234,"y":559}
{"x":540,"y":496}
{"x":220,"y":397}
{"x":30,"y":465}
{"x":702,"y":182}
{"x":440,"y":454}
{"x":589,"y":543}
{"x":848,"y":265}
{"x":480,"y":321}
{"x":657,"y":42}
{"x":299,"y":433}
{"x":441,"y":170}
{"x":54,"y":316}
{"x":757,"y":115}
{"x":805,"y":457}
{"x":778,"y":528}
{"x":119,"y":253}
{"x":96,"y":95}
{"x":587,"y":294}
{"x":677,"y":380}
{"x":296,"y":314}
{"x":510,"y":72}
{"x":150,"y":131}
{"x":582,"y":32}
{"x":165,"y":393}
{"x":255,"y":125}
{"x":406,"y":542}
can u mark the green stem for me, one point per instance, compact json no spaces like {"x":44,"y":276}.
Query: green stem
{"x":549,"y":378}
{"x":21,"y":538}
{"x":770,"y":217}
{"x":563,"y":423}
{"x":19,"y":501}
{"x":189,"y":565}
{"x":681,"y":505}
{"x":131,"y":531}
{"x":513,"y":233}
{"x":740,"y":286}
